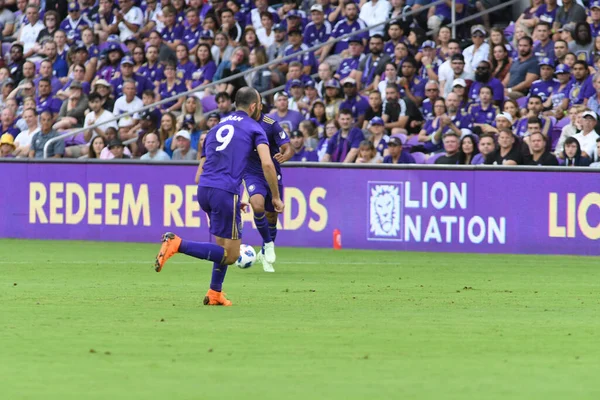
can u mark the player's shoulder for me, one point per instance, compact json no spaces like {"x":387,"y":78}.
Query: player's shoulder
{"x":268,"y":120}
{"x":537,"y":82}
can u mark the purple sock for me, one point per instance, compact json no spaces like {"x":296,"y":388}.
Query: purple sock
{"x":273,"y":231}
{"x":204,"y":250}
{"x":218,"y":276}
{"x":262,"y":225}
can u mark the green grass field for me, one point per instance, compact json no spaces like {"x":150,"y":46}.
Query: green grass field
{"x":94,"y":321}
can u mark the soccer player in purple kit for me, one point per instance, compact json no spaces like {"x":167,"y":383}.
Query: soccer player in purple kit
{"x":265,"y":215}
{"x":225,"y":154}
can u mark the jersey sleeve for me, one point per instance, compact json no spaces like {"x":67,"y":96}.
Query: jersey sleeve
{"x":357,"y":137}
{"x":260,"y":137}
{"x":281,"y":137}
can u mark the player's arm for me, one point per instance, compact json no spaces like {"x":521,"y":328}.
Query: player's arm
{"x":287,"y":151}
{"x":200,"y":168}
{"x":270,"y":174}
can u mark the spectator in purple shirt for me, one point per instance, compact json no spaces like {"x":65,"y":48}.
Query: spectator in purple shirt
{"x":343,"y":146}
{"x":301,"y":153}
{"x":397,"y":154}
{"x":172,"y":33}
{"x":483,"y":77}
{"x":288,"y":119}
{"x":348,"y":25}
{"x":354,"y":102}
{"x":356,"y":56}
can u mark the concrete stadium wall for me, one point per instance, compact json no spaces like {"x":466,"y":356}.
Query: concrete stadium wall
{"x":519,"y":210}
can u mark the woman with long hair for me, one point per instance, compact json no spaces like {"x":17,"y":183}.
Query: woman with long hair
{"x":221,"y":50}
{"x":191,"y":111}
{"x":497,"y":37}
{"x":169,"y":87}
{"x":51,"y":22}
{"x":333,"y":99}
{"x":331,"y":128}
{"x":467,"y":150}
{"x":166,"y":132}
{"x":367,"y":154}
{"x":96,"y":146}
{"x":444,"y":36}
{"x":205,"y":69}
{"x":237,"y":63}
{"x":500,"y":61}
{"x":249,"y":39}
{"x":185,"y":68}
{"x":512,"y":107}
{"x":261,"y":79}
{"x":139,"y":58}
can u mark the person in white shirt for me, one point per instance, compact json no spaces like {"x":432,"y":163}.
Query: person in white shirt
{"x":29,"y":33}
{"x":255,"y":15}
{"x":152,"y":144}
{"x":445,"y":72}
{"x":127,"y":103}
{"x":588,"y":136}
{"x":478,"y":51}
{"x":375,"y":12}
{"x":266,"y":34}
{"x":23,"y":139}
{"x":128,"y":20}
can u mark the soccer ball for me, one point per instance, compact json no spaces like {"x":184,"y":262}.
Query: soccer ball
{"x":247,"y":257}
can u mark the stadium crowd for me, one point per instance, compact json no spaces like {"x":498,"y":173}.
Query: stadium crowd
{"x":502,"y":92}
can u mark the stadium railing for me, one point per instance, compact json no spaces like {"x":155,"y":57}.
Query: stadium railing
{"x":454,"y":23}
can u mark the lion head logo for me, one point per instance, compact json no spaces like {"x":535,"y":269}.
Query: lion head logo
{"x":385,"y":211}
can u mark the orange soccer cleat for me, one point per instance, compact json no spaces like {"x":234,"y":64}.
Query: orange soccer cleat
{"x":214,"y":298}
{"x":170,"y":246}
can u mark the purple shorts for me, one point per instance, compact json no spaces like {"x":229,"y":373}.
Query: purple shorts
{"x":259,"y":185}
{"x":223,"y":209}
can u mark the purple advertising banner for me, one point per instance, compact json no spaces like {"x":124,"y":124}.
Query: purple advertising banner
{"x":460,"y":210}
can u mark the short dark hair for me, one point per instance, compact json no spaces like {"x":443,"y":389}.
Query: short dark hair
{"x":544,"y":23}
{"x":94,"y":96}
{"x":486,"y":87}
{"x":454,"y":41}
{"x":581,"y":62}
{"x":528,"y":39}
{"x":544,"y":138}
{"x":246,"y":96}
{"x":534,"y":120}
{"x":46,"y":80}
{"x":149,"y":92}
{"x":222,"y":95}
{"x":534,"y":96}
{"x":346,"y":111}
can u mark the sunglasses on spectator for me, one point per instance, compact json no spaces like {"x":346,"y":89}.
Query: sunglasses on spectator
{"x":481,"y":68}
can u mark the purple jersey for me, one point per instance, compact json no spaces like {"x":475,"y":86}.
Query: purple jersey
{"x":544,"y":15}
{"x":544,"y":88}
{"x":314,"y":35}
{"x":277,"y":138}
{"x":495,"y":84}
{"x":417,"y":87}
{"x":482,"y":115}
{"x":347,"y":65}
{"x":561,"y":94}
{"x":191,"y":36}
{"x":185,"y":71}
{"x":227,"y":148}
{"x":586,"y":90}
{"x":305,"y":155}
{"x":204,"y":73}
{"x":307,"y":59}
{"x":50,"y":103}
{"x":427,"y":109}
{"x":357,"y":104}
{"x":165,"y":92}
{"x":541,"y":51}
{"x":172,"y":34}
{"x":445,"y":12}
{"x":292,"y":119}
{"x":154,"y":73}
{"x":343,"y":28}
{"x":595,"y":29}
{"x":338,"y":147}
{"x":73,"y":28}
{"x":141,"y":84}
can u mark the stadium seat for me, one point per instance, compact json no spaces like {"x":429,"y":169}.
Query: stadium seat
{"x":433,"y":157}
{"x":419,"y":157}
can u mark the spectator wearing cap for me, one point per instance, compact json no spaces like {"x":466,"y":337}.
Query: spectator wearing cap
{"x":294,"y":19}
{"x":307,"y":59}
{"x":45,"y":100}
{"x":152,"y":144}
{"x":483,"y":77}
{"x":319,"y":30}
{"x":410,"y":84}
{"x":296,"y":99}
{"x":231,"y":27}
{"x":478,"y":51}
{"x":287,"y":118}
{"x":112,"y":63}
{"x":343,"y":146}
{"x":117,"y":150}
{"x":503,"y":120}
{"x":152,"y":69}
{"x":30,"y":31}
{"x":457,"y":65}
{"x":547,"y":84}
{"x":349,"y":24}
{"x":74,"y":23}
{"x":82,"y":55}
{"x":126,"y":73}
{"x":356,"y":56}
{"x":311,"y":94}
{"x":354,"y":102}
{"x":333,"y":98}
{"x":39,"y":140}
{"x":441,"y":14}
{"x":23,"y":139}
{"x":184,"y":150}
{"x":486,"y":146}
{"x":72,"y":111}
{"x":301,"y":153}
{"x":430,"y":61}
{"x":374,"y":12}
{"x":127,"y":103}
{"x":523,"y":71}
{"x":594,"y":17}
{"x":128,"y":19}
{"x":172,"y":33}
{"x":451,"y":149}
{"x":7,"y":146}
{"x":103,"y":88}
{"x":484,"y":113}
{"x":378,"y":137}
{"x":573,"y":155}
{"x":539,"y":153}
{"x":370,"y":68}
{"x":275,"y":50}
{"x":16,"y":62}
{"x":255,"y":16}
{"x":587,"y":136}
{"x":544,"y":46}
{"x":397,"y":154}
{"x":192,"y":30}
{"x":212,"y":120}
